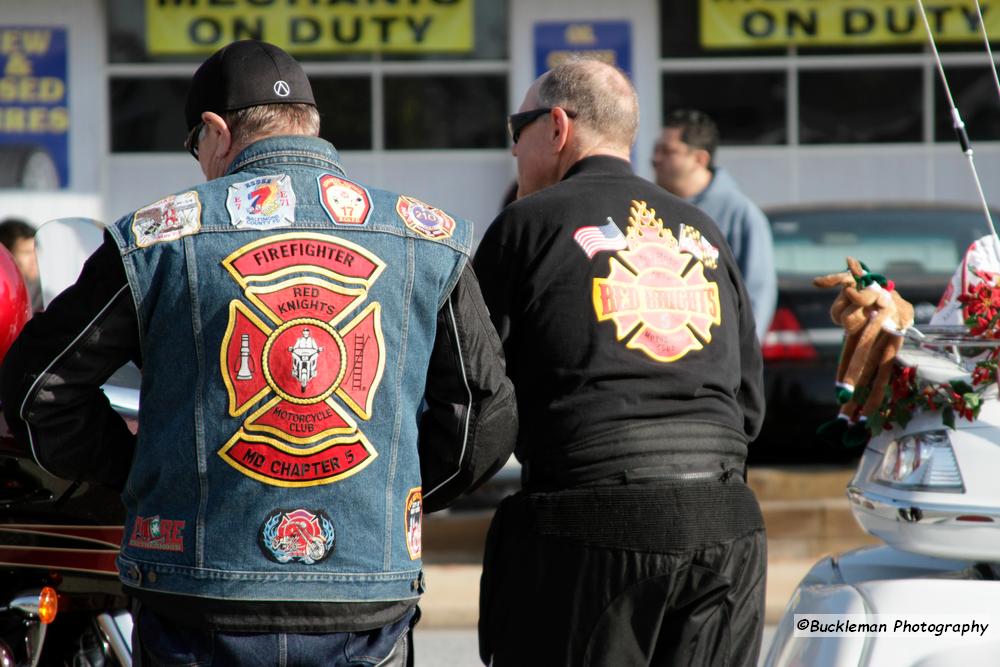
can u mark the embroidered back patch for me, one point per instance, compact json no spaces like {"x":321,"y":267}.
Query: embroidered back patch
{"x":424,"y":219}
{"x":157,"y":534}
{"x":265,"y":202}
{"x":314,"y":371}
{"x":299,"y":535}
{"x":346,"y":203}
{"x":593,"y":239}
{"x":655,"y":294}
{"x":168,"y":219}
{"x":413,"y":518}
{"x":696,"y":245}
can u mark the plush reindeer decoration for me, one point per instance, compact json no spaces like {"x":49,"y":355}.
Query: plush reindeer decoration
{"x":875,"y":318}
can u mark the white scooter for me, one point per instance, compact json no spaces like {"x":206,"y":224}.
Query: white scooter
{"x":932,"y":494}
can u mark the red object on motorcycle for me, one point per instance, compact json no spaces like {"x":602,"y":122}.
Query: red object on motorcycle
{"x":15,"y":304}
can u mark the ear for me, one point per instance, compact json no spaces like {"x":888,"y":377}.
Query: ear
{"x":702,"y":157}
{"x":562,"y":129}
{"x":223,"y":137}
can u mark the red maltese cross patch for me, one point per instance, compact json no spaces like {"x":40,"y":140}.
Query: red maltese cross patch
{"x":311,"y":368}
{"x":655,"y":294}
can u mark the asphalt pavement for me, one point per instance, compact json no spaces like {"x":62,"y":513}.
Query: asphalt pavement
{"x":457,"y":647}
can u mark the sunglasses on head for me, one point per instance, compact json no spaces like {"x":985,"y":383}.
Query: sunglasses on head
{"x":516,"y":122}
{"x":193,"y":137}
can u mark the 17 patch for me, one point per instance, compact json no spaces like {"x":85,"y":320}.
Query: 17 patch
{"x":424,"y":219}
{"x":298,"y":535}
{"x":265,"y":202}
{"x":346,"y":203}
{"x":168,"y":219}
{"x":414,"y":515}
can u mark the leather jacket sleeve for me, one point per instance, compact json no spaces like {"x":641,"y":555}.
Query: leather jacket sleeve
{"x":52,"y":376}
{"x":469,"y":428}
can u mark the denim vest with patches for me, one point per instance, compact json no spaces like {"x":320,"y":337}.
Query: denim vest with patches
{"x":287,"y":316}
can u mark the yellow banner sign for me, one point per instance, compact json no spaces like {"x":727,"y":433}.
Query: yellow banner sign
{"x":333,"y":26}
{"x":769,"y":23}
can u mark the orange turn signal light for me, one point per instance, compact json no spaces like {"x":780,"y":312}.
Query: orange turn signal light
{"x":48,"y":605}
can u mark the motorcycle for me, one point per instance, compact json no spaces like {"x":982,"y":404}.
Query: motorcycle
{"x":929,"y":492}
{"x":60,"y":598}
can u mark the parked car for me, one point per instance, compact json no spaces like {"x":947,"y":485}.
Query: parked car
{"x":917,"y":245}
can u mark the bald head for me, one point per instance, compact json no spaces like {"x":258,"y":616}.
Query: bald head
{"x":603,"y":98}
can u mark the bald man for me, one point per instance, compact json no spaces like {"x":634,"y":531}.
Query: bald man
{"x":630,"y":340}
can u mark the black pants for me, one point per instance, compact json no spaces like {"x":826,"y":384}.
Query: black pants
{"x":630,"y":575}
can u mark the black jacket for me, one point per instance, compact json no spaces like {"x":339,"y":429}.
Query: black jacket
{"x":612,"y":352}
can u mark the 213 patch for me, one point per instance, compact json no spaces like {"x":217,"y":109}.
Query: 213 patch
{"x":167,"y":220}
{"x":413,"y":520}
{"x":424,"y":219}
{"x":265,"y":202}
{"x":655,"y":294}
{"x":298,"y":535}
{"x":346,"y":203}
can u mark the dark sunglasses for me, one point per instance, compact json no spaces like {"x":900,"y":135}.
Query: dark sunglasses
{"x":516,"y":122}
{"x":191,"y":143}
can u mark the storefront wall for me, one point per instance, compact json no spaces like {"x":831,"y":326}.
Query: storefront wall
{"x":76,"y":69}
{"x":105,"y":181}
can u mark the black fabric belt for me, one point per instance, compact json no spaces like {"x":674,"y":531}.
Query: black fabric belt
{"x":646,"y":517}
{"x":659,"y":452}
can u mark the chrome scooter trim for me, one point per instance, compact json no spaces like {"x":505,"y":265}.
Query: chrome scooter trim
{"x":907,"y":511}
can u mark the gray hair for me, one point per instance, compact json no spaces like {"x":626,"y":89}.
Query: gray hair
{"x":247,"y":125}
{"x":601,"y":95}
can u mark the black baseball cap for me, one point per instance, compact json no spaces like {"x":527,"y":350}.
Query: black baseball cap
{"x":245,"y":74}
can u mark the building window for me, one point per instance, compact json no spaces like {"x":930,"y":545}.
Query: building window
{"x":749,"y":108}
{"x":975,"y":95}
{"x":426,"y":99}
{"x":799,"y":72}
{"x":860,"y":106}
{"x":445,"y":112}
{"x":147,"y":114}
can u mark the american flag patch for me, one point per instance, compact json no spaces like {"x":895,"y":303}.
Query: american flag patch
{"x":599,"y":239}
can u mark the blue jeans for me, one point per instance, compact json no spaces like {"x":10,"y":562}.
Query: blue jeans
{"x":159,"y":643}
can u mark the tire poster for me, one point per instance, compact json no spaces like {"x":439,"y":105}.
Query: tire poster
{"x":34,"y":108}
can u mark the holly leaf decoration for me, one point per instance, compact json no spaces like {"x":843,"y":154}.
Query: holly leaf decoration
{"x":948,"y":418}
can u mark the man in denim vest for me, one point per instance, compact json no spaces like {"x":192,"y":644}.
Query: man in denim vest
{"x":319,"y":370}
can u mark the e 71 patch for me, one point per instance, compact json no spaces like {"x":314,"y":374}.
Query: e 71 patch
{"x":265,"y":202}
{"x":298,"y":535}
{"x":167,"y":220}
{"x":424,"y":219}
{"x":414,"y":515}
{"x":346,"y":203}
